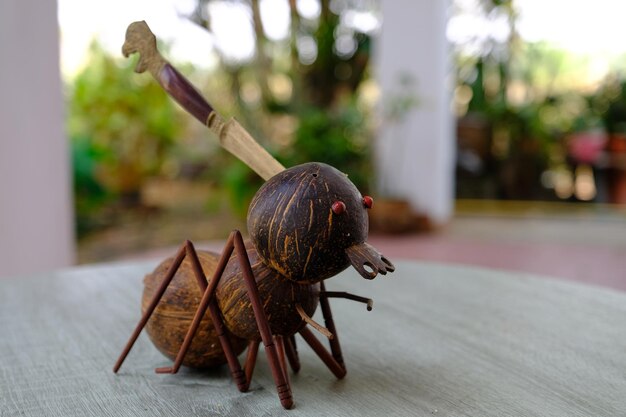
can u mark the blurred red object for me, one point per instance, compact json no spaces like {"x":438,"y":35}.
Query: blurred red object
{"x":587,"y":147}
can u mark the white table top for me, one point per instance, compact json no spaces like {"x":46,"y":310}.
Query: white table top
{"x":441,"y":341}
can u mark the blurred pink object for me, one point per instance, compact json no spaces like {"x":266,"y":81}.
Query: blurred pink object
{"x":586,"y":147}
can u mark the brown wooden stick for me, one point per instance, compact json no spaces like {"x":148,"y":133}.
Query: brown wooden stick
{"x":335,"y":347}
{"x":282,"y":385}
{"x":196,"y":266}
{"x":237,"y":373}
{"x":253,"y":350}
{"x":280,"y":349}
{"x":180,"y":256}
{"x":336,"y":368}
{"x":348,"y":296}
{"x":292,"y":353}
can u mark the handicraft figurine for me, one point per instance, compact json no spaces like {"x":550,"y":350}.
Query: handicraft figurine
{"x":306,"y":224}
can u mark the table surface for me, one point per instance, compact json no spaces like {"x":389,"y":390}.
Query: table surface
{"x":441,"y":341}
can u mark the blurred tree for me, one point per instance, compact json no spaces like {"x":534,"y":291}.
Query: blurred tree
{"x":508,"y":89}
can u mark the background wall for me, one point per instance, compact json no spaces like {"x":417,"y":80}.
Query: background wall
{"x":35,"y":203}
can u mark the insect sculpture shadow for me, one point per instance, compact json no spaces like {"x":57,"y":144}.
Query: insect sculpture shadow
{"x":306,"y":224}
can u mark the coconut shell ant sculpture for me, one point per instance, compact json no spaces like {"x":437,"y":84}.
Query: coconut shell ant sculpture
{"x":306,"y":223}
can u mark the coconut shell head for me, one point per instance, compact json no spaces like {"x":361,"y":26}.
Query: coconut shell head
{"x":303,"y":219}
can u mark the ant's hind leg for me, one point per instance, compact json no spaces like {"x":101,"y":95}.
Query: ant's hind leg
{"x":178,"y":259}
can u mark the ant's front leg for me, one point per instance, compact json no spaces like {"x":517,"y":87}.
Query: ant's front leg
{"x":334,"y":360}
{"x":335,"y":347}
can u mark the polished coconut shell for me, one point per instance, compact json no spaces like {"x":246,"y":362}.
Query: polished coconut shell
{"x":278,"y":294}
{"x":173,"y":315}
{"x":303,"y":219}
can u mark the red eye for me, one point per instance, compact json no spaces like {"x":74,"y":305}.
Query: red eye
{"x":338,"y":207}
{"x":368,"y":201}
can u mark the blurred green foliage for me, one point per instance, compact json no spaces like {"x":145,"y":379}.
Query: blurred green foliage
{"x":121,"y":126}
{"x":337,"y":138}
{"x":301,"y":102}
{"x":318,"y":89}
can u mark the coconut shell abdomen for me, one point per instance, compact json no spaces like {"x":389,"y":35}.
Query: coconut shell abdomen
{"x":279,"y":297}
{"x":173,"y":315}
{"x":294,"y":229}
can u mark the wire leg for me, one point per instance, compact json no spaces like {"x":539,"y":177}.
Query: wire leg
{"x":282,"y":385}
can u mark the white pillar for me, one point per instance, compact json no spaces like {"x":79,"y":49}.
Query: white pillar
{"x":415,"y":154}
{"x":36,"y":226}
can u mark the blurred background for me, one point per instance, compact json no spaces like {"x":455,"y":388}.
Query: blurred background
{"x":489,"y":132}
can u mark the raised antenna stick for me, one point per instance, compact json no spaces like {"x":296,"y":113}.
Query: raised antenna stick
{"x":232,"y":136}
